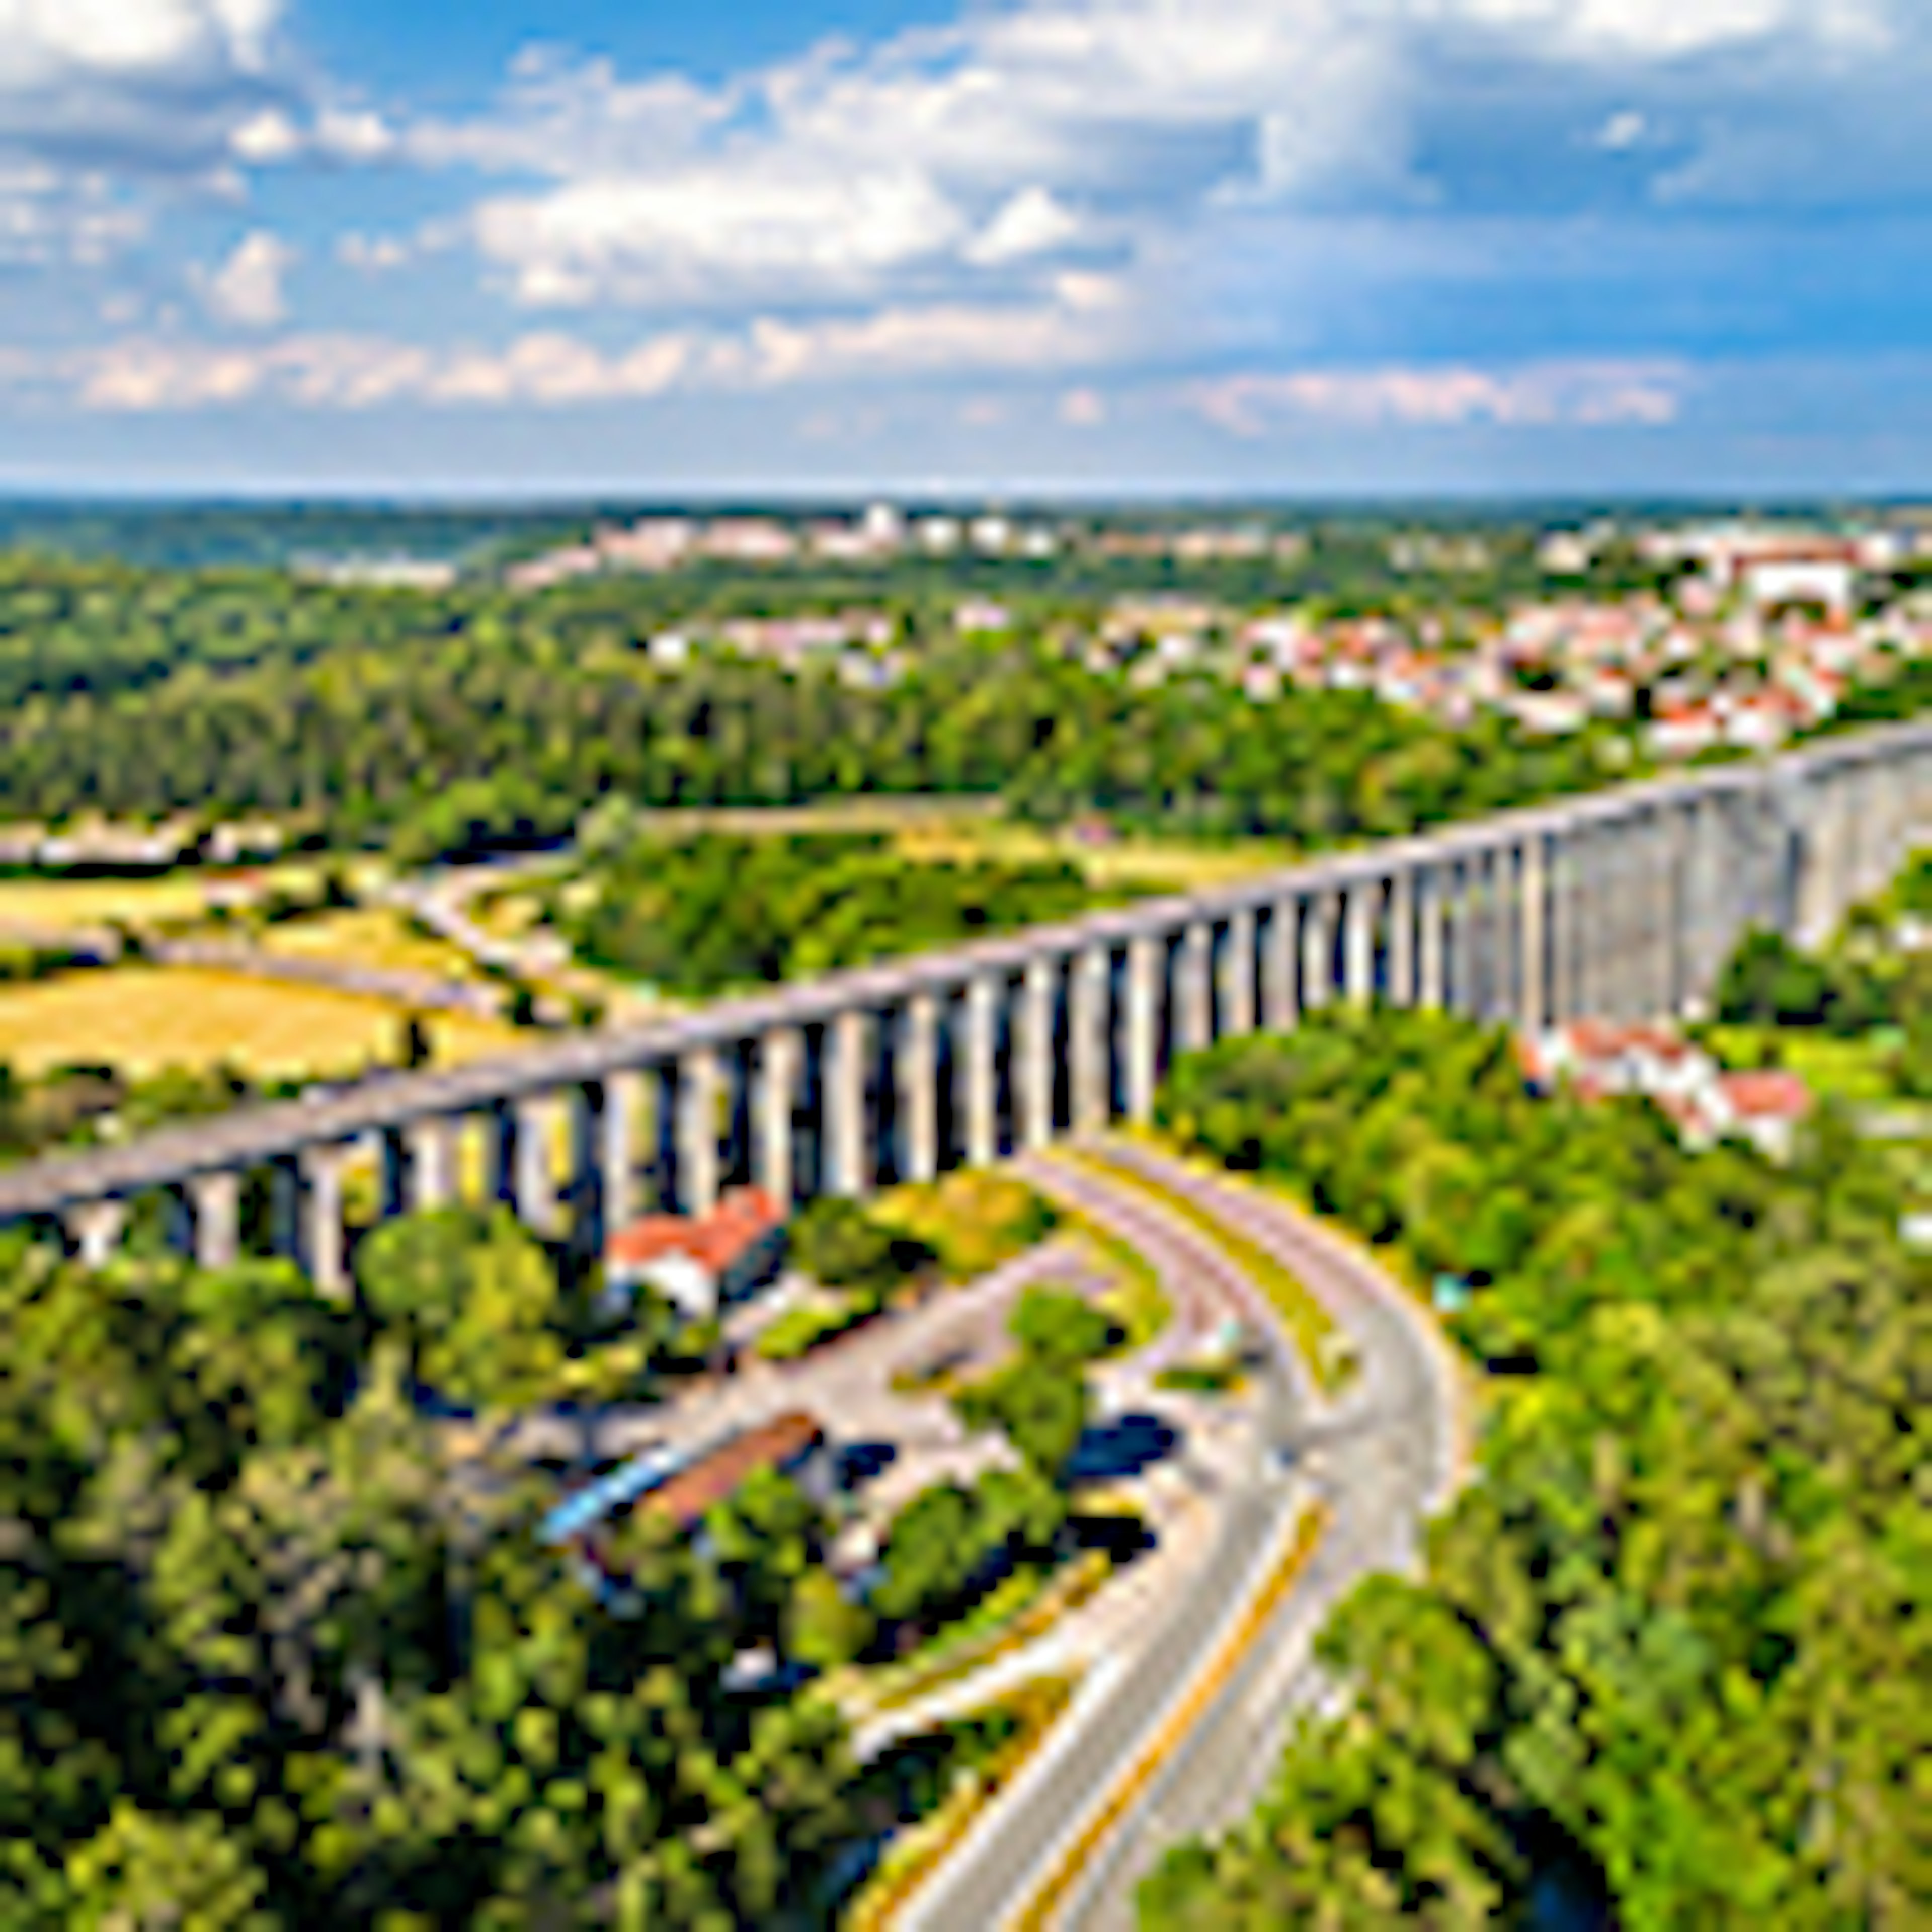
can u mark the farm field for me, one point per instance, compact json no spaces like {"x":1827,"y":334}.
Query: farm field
{"x":143,"y":1019}
{"x":51,"y":905}
{"x":368,"y":936}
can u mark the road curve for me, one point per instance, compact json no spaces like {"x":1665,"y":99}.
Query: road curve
{"x":1384,"y":1459}
{"x":1381,"y":1458}
{"x":999,"y":1864}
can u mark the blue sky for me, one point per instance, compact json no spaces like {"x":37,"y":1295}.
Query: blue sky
{"x":1104,"y":245}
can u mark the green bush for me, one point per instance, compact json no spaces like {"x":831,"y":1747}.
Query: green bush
{"x":798,"y":1330}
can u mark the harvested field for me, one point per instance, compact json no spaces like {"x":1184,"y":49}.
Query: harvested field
{"x":141,"y":1019}
{"x":60,"y":905}
{"x":1176,"y":865}
{"x":370,"y":936}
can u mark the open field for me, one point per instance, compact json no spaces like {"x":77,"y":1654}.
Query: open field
{"x":369,"y":936}
{"x":141,"y":1019}
{"x":866,"y":813}
{"x":51,"y":905}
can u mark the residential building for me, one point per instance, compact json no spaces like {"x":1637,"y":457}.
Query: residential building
{"x":1596,"y":1060}
{"x":701,"y":1265}
{"x":793,"y":1444}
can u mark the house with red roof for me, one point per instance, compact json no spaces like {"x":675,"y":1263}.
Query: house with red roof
{"x":700,"y":1265}
{"x":1596,"y":1059}
{"x":1764,"y":1107}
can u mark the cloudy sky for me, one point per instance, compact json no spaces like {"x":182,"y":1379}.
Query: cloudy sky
{"x":1102,"y":245}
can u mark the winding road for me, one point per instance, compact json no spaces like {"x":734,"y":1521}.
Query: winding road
{"x":1380,"y":1457}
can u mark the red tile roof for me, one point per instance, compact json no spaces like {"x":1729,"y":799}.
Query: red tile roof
{"x":1767,"y":1095}
{"x":717,"y":1477}
{"x":742,"y":1219}
{"x":1603,"y":1040}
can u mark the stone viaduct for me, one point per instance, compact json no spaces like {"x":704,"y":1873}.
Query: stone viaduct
{"x":1621,"y":904}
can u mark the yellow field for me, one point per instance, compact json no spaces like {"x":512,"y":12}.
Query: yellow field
{"x":143,"y":1018}
{"x":370,"y":936}
{"x":42,"y":905}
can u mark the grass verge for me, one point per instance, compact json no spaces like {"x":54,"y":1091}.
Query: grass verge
{"x":1039,"y":1910}
{"x":1311,"y":1326}
{"x":1005,"y":1629}
{"x":914,"y":1857}
{"x":1137,"y":1302}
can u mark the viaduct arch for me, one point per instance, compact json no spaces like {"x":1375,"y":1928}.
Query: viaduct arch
{"x":1621,"y":904}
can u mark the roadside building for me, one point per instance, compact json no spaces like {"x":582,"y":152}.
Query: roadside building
{"x":793,"y":1444}
{"x":701,"y":1265}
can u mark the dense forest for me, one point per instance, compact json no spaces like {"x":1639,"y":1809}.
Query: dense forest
{"x":443,"y":722}
{"x":275,"y":1651}
{"x":267,"y":1663}
{"x":1667,"y":1667}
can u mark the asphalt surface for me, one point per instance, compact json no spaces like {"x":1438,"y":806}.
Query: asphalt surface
{"x":1380,"y":1457}
{"x":996,"y":1868}
{"x":1381,"y":1460}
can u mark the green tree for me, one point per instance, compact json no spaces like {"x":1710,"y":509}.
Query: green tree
{"x":152,"y":1873}
{"x":1042,"y":1407}
{"x":1064,"y":1329}
{"x":476,"y":1298}
{"x":931,"y":1551}
{"x":824,"y":1628}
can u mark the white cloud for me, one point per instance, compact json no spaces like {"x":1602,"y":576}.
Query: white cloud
{"x":956,"y":156}
{"x":48,"y":42}
{"x":1032,"y":222}
{"x":353,"y":134}
{"x":1626,"y":129}
{"x":132,"y":84}
{"x":565,"y":122}
{"x":373,"y":254}
{"x":265,"y":137}
{"x":1593,"y":393}
{"x":736,"y":230}
{"x":47,"y":215}
{"x":1084,"y":320}
{"x":108,"y":99}
{"x":246,"y":289}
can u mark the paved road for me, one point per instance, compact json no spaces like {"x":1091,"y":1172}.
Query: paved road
{"x":996,"y":1868}
{"x":1380,"y":1457}
{"x":1382,"y":1460}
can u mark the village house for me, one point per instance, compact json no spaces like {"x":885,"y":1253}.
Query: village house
{"x":701,"y":1266}
{"x":1596,"y":1060}
{"x":793,"y":1444}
